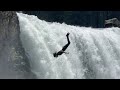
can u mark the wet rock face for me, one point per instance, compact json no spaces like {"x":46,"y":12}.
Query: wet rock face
{"x":13,"y":61}
{"x":112,"y":22}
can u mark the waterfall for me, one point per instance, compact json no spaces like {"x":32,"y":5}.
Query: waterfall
{"x":93,"y":53}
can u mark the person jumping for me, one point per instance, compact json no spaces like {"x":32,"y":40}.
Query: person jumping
{"x":64,"y":48}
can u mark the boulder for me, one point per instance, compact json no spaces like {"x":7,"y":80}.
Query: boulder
{"x":114,"y":22}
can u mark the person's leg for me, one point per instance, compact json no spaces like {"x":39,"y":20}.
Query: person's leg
{"x":65,"y":47}
{"x":68,"y":40}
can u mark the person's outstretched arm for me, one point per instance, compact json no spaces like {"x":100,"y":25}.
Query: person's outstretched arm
{"x":65,"y":52}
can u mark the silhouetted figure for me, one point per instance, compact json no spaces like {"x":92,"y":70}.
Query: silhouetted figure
{"x":64,"y":48}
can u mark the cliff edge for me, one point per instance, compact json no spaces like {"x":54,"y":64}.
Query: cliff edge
{"x":13,"y":61}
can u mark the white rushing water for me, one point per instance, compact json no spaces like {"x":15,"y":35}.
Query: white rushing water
{"x":93,"y":53}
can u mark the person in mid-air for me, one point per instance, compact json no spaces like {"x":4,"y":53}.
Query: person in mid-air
{"x":64,"y":48}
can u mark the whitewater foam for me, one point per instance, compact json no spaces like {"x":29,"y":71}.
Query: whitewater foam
{"x":93,"y":53}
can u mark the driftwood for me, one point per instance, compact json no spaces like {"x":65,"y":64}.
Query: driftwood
{"x":114,"y":22}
